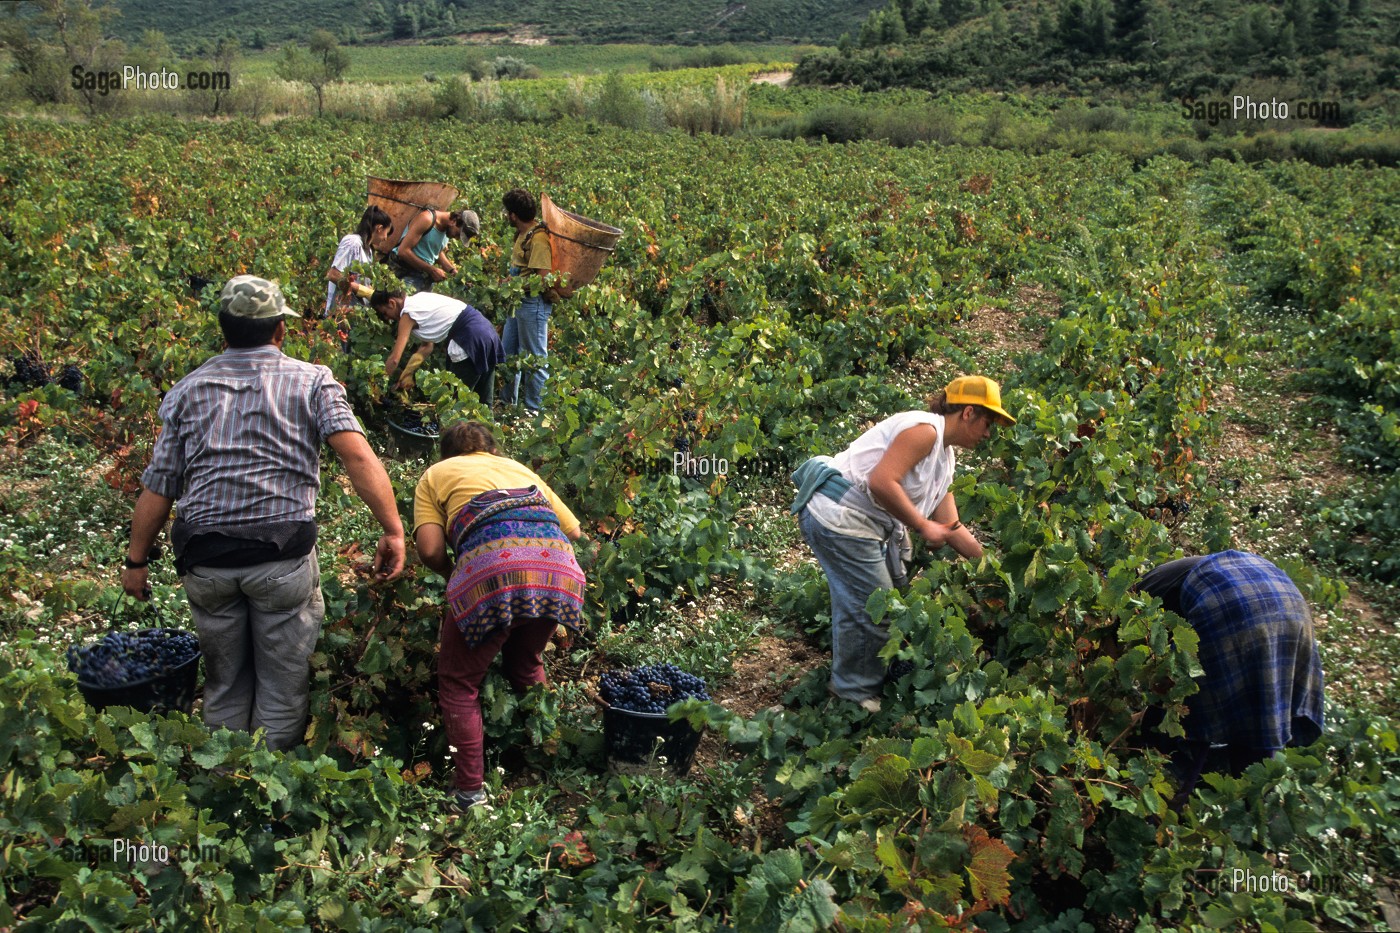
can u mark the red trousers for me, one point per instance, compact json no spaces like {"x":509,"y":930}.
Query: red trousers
{"x":461,"y":671}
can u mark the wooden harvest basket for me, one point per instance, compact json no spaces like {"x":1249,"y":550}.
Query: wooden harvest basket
{"x":579,"y":246}
{"x":404,"y":200}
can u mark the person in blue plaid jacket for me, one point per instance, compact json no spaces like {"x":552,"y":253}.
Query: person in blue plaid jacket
{"x":1262,"y":684}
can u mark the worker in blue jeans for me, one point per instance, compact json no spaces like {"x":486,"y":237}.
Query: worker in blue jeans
{"x":527,"y":331}
{"x":857,"y":510}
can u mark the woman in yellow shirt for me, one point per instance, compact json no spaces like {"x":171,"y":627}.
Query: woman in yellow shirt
{"x":514,"y":579}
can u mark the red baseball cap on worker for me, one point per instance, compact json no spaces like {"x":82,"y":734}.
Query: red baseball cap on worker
{"x":978,"y":390}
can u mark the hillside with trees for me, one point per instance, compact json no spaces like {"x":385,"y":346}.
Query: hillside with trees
{"x":1342,"y":51}
{"x":260,"y":22}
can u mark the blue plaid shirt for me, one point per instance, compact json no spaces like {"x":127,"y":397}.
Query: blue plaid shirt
{"x":1262,"y":687}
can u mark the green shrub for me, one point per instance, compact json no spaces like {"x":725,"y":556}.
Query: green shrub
{"x":838,"y":124}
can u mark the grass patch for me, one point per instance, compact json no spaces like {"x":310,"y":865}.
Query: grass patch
{"x":401,"y":64}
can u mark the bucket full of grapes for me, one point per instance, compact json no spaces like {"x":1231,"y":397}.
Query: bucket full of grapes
{"x":153,"y":670}
{"x":637,"y":734}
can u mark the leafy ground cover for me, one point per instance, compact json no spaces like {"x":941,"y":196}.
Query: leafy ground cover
{"x":758,"y":313}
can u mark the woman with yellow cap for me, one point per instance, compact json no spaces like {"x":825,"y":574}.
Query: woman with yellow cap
{"x":856,"y":511}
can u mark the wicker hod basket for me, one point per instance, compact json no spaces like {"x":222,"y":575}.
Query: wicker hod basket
{"x":579,"y":246}
{"x":405,"y":200}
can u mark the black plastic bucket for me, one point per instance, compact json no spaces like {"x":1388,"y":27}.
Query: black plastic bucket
{"x":410,"y":423}
{"x":164,"y":693}
{"x":636,"y":742}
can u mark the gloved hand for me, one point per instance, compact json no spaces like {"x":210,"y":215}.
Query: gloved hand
{"x":405,"y":380}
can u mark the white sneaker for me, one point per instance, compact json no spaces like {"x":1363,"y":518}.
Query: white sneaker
{"x":869,"y":704}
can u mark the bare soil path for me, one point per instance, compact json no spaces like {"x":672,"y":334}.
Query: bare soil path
{"x":780,"y":78}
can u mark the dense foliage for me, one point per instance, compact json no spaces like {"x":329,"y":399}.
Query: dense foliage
{"x":1327,"y":50}
{"x":688,"y":21}
{"x":758,"y":313}
{"x":719,"y":90}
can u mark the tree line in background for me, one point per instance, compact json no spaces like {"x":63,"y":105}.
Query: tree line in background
{"x":687,"y":22}
{"x":1347,"y":50}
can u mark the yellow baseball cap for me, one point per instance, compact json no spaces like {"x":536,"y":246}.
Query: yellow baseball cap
{"x":978,"y":390}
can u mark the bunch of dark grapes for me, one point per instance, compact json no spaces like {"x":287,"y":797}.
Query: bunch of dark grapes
{"x":650,"y":689}
{"x":71,"y":378}
{"x":198,"y":284}
{"x":413,"y":421}
{"x":418,"y":423}
{"x":124,"y":658}
{"x":898,"y":669}
{"x":30,"y":370}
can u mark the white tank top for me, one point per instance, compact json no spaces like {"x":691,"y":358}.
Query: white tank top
{"x":926,"y":483}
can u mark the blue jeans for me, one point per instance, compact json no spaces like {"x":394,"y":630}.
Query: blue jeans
{"x":527,"y":331}
{"x":855,"y":568}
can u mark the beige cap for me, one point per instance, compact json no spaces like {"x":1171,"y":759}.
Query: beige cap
{"x":251,"y":297}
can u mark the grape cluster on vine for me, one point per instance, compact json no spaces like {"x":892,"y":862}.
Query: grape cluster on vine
{"x":651,"y":688}
{"x":121,"y":659}
{"x":70,"y":378}
{"x":30,"y":370}
{"x":898,"y":669}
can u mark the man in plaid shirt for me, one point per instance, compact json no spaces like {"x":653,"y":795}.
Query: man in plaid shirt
{"x":1262,"y":686}
{"x":240,"y":450}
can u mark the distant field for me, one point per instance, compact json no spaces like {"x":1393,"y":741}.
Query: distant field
{"x":396,"y":64}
